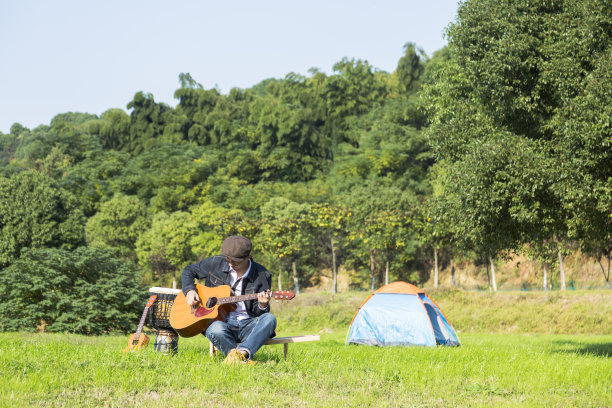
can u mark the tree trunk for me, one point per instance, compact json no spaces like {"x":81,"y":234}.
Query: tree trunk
{"x":334,"y":272}
{"x":435,"y":267}
{"x":280,"y":278}
{"x":295,"y":278}
{"x":561,"y":270}
{"x":387,"y":273}
{"x":452,"y":262}
{"x":173,"y":280}
{"x":493,"y":281}
{"x":372,"y":271}
{"x":488,"y":276}
{"x":544,"y":278}
{"x":603,"y":270}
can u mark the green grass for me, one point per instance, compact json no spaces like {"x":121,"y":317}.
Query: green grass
{"x":54,"y":370}
{"x":493,"y":367}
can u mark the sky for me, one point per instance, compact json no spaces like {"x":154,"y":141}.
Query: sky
{"x":92,"y":55}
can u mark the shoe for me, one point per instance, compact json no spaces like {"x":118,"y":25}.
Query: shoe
{"x":234,"y":356}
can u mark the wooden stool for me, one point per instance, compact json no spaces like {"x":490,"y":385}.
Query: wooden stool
{"x":280,"y":340}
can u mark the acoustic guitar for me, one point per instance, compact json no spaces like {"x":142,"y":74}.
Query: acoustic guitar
{"x":140,"y":340}
{"x":215,"y":304}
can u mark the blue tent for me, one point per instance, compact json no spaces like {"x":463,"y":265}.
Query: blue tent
{"x":400,"y":314}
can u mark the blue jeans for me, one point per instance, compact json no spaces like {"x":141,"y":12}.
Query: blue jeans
{"x":251,"y":333}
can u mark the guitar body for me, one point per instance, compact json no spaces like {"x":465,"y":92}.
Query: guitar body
{"x":135,"y":345}
{"x":190,"y":321}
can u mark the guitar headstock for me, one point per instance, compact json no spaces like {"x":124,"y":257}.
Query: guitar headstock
{"x":151,"y":300}
{"x":283,"y":294}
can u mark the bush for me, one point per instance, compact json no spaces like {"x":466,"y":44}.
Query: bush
{"x":87,"y":291}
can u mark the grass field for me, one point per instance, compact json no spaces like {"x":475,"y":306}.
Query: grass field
{"x":490,"y":368}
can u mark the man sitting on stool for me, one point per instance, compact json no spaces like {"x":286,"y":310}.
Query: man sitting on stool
{"x":251,"y":324}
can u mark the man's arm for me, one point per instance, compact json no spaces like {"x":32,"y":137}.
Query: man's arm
{"x":197,"y":270}
{"x":190,"y":273}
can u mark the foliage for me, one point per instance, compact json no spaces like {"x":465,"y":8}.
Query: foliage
{"x":53,"y":150}
{"x":168,"y":176}
{"x":87,"y":291}
{"x":35,"y":212}
{"x":118,"y":224}
{"x":114,"y":132}
{"x":168,"y":238}
{"x":499,"y":142}
{"x":498,"y":103}
{"x":586,"y":146}
{"x":214,"y":223}
{"x":285,"y":234}
{"x":409,"y":68}
{"x":94,"y":179}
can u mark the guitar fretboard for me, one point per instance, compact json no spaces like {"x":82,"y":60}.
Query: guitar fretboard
{"x":143,"y":317}
{"x":141,"y":324}
{"x":236,"y":299}
{"x":278,"y":295}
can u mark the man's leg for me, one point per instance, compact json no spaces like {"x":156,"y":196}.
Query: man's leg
{"x":222,"y":335}
{"x":255,"y":331}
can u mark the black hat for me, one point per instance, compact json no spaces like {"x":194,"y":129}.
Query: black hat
{"x":236,"y":248}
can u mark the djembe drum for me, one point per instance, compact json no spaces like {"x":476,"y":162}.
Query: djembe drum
{"x":166,"y":340}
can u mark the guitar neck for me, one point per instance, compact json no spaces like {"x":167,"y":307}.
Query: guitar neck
{"x":242,"y":298}
{"x":141,"y":324}
{"x":236,"y":299}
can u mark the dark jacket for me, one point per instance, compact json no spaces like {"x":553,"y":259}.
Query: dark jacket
{"x":215,"y":271}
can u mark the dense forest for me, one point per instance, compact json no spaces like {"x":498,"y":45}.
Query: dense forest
{"x":498,"y":144}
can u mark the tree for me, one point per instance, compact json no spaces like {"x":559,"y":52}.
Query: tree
{"x":388,"y":151}
{"x":353,"y":91}
{"x":214,"y":223}
{"x":35,"y":212}
{"x":170,"y":237}
{"x":168,"y":177}
{"x":409,"y":68}
{"x":8,"y":145}
{"x":289,"y":140}
{"x":53,"y":149}
{"x":435,"y":229}
{"x":147,"y":121}
{"x":387,"y":232}
{"x":329,"y":222}
{"x":585,"y":147}
{"x":511,"y":70}
{"x":380,"y":229}
{"x":115,"y":131}
{"x":87,"y":291}
{"x":285,"y":234}
{"x":492,"y":201}
{"x":118,"y":225}
{"x":93,"y":179}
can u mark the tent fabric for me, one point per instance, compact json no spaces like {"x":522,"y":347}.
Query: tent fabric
{"x":392,"y":319}
{"x":400,"y":314}
{"x":444,"y":332}
{"x":400,"y":287}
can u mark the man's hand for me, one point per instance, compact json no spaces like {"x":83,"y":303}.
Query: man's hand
{"x":192,"y":297}
{"x":263,"y":298}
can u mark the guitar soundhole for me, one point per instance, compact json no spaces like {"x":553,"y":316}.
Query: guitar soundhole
{"x":211,"y":302}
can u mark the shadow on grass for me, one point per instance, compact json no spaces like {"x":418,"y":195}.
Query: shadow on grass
{"x":578,"y":347}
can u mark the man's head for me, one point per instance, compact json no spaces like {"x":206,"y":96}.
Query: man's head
{"x":236,"y":248}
